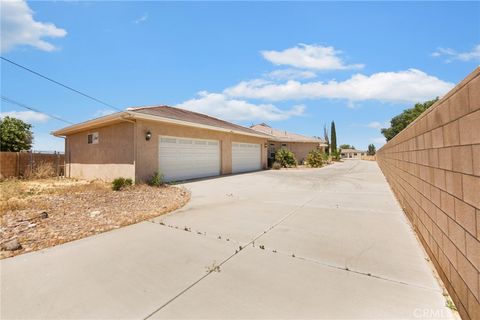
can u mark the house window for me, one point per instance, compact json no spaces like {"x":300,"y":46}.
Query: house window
{"x":92,"y":138}
{"x":284,"y":144}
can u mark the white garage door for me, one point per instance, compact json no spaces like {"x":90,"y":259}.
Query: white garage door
{"x":184,"y":158}
{"x":246,"y":157}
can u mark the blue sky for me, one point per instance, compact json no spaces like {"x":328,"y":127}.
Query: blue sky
{"x":295,"y":66}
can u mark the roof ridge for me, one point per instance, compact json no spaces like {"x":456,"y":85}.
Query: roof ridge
{"x":134,"y":109}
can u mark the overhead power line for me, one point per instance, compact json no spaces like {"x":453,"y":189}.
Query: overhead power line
{"x":6,"y":99}
{"x":60,"y":84}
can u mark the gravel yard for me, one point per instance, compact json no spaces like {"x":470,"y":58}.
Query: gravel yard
{"x":45,"y":213}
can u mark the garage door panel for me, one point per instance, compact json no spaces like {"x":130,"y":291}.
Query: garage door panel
{"x":185,"y":158}
{"x":246,"y":157}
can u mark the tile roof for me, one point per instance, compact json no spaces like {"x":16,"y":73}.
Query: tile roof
{"x":282,"y":135}
{"x":351,"y":150}
{"x":189,"y":116}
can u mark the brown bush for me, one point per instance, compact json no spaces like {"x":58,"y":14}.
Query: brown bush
{"x":43,"y":170}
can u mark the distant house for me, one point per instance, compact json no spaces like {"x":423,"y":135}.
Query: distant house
{"x":352,"y":153}
{"x":180,"y":144}
{"x":300,"y":145}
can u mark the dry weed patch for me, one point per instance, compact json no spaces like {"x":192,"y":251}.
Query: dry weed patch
{"x":44,"y":213}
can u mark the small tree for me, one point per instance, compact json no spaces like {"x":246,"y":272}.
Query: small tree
{"x":333,"y":140}
{"x":315,"y":158}
{"x":401,"y":121}
{"x":285,"y":158}
{"x":371,"y":150}
{"x":15,"y":135}
{"x":327,"y":140}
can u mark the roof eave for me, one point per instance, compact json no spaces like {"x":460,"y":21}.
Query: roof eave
{"x":299,"y":141}
{"x":145,"y":116}
{"x":130,"y":115}
{"x":94,"y":123}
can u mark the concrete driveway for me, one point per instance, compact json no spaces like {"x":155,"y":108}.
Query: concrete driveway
{"x":317,"y":243}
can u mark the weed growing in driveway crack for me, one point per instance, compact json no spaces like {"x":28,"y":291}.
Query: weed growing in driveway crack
{"x":213,"y":268}
{"x":262,"y":247}
{"x":162,"y":223}
{"x":274,"y":251}
{"x":293,"y":255}
{"x":219,"y":237}
{"x":240,"y":248}
{"x":187,"y":229}
{"x":198,"y":232}
{"x":449,"y":304}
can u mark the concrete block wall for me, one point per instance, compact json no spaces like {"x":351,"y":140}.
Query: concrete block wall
{"x":433,"y":167}
{"x":8,"y":164}
{"x":17,"y":164}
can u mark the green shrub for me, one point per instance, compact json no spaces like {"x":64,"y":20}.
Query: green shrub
{"x":315,"y":158}
{"x":286,"y":158}
{"x":276,"y":166}
{"x":120,"y":183}
{"x":336,"y":156}
{"x":156,"y":180}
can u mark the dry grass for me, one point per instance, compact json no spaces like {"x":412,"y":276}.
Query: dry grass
{"x":76,"y":209}
{"x":14,"y":193}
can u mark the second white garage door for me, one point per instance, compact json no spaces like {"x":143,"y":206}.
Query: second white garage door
{"x":184,"y":158}
{"x":246,"y":157}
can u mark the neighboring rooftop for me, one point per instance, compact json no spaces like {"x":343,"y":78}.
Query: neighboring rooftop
{"x":284,"y":136}
{"x":352,"y":150}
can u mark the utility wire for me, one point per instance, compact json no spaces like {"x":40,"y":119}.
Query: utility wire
{"x":6,"y":99}
{"x":59,"y":83}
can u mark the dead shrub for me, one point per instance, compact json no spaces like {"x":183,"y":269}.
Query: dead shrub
{"x":12,"y":204}
{"x":43,"y":170}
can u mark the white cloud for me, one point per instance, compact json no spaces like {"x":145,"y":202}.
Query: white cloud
{"x":411,"y":85}
{"x":19,"y":28}
{"x":291,"y":74}
{"x":379,"y":141}
{"x":306,"y":56}
{"x":218,"y":105}
{"x":27,"y":116}
{"x":378,"y":125}
{"x":451,"y":54}
{"x":141,"y":19}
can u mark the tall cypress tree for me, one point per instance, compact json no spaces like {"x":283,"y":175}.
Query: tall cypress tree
{"x":333,"y":139}
{"x":327,"y":139}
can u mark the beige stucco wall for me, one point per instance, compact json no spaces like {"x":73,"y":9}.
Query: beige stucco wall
{"x":433,"y":166}
{"x":300,"y":149}
{"x":119,"y":154}
{"x":147,"y":151}
{"x":112,"y":157}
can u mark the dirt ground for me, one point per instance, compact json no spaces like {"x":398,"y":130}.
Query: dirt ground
{"x":48,"y":212}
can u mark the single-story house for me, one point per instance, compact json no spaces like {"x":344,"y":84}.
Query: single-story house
{"x":300,"y":145}
{"x":177,"y":143}
{"x":352,"y":153}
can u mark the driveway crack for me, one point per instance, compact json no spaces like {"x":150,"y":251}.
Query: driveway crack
{"x":240,"y":249}
{"x":343,"y":268}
